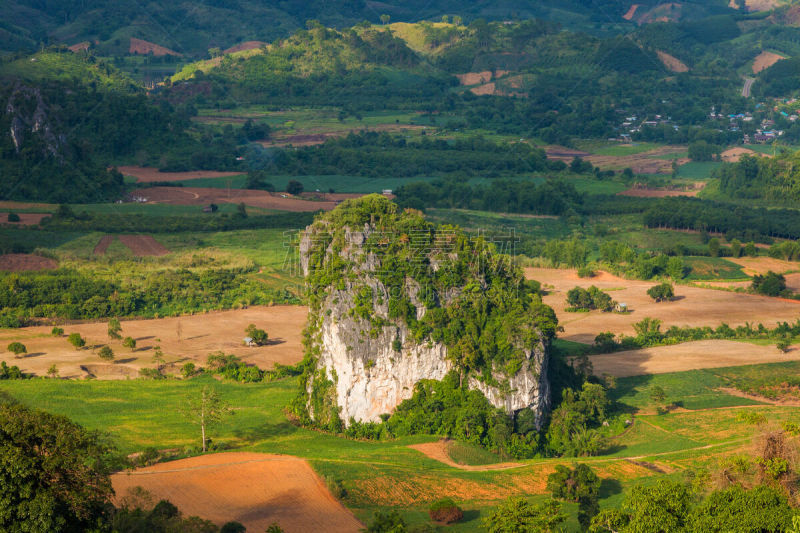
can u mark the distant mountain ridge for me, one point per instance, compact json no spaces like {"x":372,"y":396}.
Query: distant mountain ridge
{"x":192,"y":28}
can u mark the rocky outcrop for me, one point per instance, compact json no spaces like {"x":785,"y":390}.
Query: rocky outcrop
{"x":371,"y":357}
{"x":29,"y":116}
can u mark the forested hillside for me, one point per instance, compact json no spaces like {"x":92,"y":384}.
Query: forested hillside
{"x":192,"y":28}
{"x":66,"y":119}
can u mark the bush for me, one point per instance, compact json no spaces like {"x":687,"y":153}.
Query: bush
{"x":17,"y":348}
{"x":294,"y":187}
{"x":582,"y":299}
{"x":188,"y":370}
{"x":129,"y":342}
{"x":76,"y":340}
{"x":13,"y":217}
{"x":770,"y":284}
{"x":661,"y":292}
{"x":445,"y":511}
{"x":232,"y":527}
{"x":57,"y":332}
{"x":585,"y":272}
{"x":259,"y":336}
{"x":106,"y":353}
{"x":389,"y":522}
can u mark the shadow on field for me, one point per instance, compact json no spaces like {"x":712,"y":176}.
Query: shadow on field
{"x":126,"y":360}
{"x":609,"y":487}
{"x":272,"y":342}
{"x":265,"y":431}
{"x":34,"y":354}
{"x":470,"y":515}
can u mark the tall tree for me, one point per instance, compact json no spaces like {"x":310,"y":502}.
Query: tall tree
{"x":206,"y":409}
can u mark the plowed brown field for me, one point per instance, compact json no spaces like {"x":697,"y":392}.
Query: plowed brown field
{"x":143,"y":245}
{"x":208,"y":195}
{"x":23,"y":262}
{"x":252,"y":488}
{"x":25,"y":219}
{"x":150,"y":174}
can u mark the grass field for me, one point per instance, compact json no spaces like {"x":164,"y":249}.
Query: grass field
{"x":698,"y":170}
{"x":140,"y":414}
{"x":707,"y":268}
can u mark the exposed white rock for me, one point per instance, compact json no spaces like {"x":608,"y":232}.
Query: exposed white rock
{"x":371,"y":377}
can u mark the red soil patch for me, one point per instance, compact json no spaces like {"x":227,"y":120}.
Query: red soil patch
{"x":248,"y":45}
{"x":103,"y":244}
{"x":23,"y":262}
{"x":671,"y":62}
{"x":252,"y":488}
{"x":150,"y":174}
{"x":143,"y":245}
{"x":79,"y":47}
{"x":25,"y":219}
{"x":139,"y":46}
{"x":438,"y":452}
{"x":765,"y":60}
{"x":207,"y":195}
{"x":631,"y":12}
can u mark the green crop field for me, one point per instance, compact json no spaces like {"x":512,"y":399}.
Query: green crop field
{"x":698,"y":170}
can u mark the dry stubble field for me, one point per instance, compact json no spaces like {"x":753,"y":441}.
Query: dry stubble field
{"x":199,"y":335}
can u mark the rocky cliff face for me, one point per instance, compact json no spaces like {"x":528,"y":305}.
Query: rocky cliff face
{"x":29,"y":116}
{"x":368,"y":355}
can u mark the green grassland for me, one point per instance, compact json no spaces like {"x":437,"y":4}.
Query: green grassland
{"x":708,"y":268}
{"x":140,"y":414}
{"x":698,"y":170}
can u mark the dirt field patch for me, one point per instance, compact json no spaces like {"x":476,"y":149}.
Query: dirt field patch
{"x":199,"y":336}
{"x":650,"y":162}
{"x":438,"y":451}
{"x":143,"y":245}
{"x":631,"y":12}
{"x":247,"y":45}
{"x":79,"y":47}
{"x":208,"y":195}
{"x":103,"y":244}
{"x":694,"y":306}
{"x":24,"y":262}
{"x":150,"y":174}
{"x":671,"y":62}
{"x":252,"y":488}
{"x":765,"y":60}
{"x":141,"y":47}
{"x":733,"y":155}
{"x":25,"y":219}
{"x":688,"y":356}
